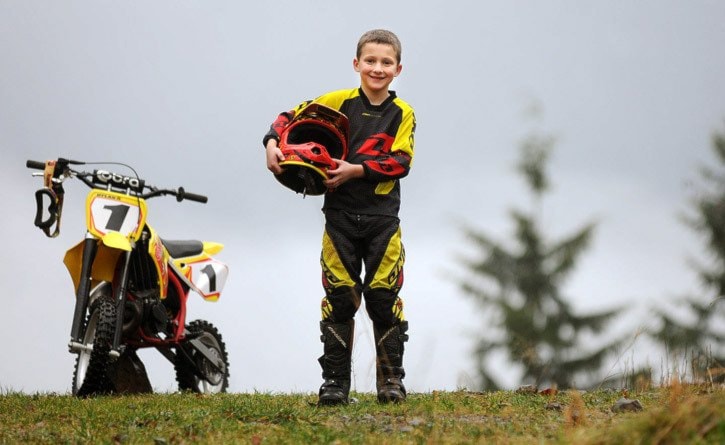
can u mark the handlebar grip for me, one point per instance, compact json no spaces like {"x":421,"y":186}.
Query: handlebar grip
{"x":182,"y":194}
{"x":35,"y":164}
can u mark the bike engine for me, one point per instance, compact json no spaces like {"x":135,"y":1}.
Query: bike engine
{"x":132,"y":316}
{"x":157,"y":319}
{"x":146,"y":310}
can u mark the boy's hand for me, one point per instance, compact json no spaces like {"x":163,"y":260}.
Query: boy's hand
{"x":274,"y":156}
{"x":343,"y":173}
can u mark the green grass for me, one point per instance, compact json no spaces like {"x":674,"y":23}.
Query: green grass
{"x":675,"y":414}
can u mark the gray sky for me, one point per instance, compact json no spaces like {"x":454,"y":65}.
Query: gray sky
{"x":184,"y":91}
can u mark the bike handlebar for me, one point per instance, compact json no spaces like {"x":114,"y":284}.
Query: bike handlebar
{"x":35,"y":164}
{"x":183,"y":194}
{"x":179,"y":193}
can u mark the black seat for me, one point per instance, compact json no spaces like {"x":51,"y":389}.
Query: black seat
{"x":182,"y":248}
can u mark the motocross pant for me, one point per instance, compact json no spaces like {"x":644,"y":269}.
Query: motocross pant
{"x":351,"y":241}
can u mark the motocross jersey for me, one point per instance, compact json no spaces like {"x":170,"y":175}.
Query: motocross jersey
{"x":381,"y":140}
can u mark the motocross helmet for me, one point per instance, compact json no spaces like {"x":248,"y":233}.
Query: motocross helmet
{"x":316,"y":136}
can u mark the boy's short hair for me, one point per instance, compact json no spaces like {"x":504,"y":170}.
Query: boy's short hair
{"x":381,"y":36}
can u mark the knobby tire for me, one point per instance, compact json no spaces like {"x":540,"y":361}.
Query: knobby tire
{"x":185,"y":372}
{"x":96,"y":380}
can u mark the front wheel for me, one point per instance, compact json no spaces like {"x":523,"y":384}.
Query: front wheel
{"x":92,"y":362}
{"x":201,"y":376}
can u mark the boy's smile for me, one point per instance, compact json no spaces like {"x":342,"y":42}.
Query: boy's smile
{"x":378,"y":66}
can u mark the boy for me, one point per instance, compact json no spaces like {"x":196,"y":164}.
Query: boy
{"x":361,"y":220}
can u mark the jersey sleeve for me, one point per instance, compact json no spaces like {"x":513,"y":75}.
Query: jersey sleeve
{"x":333,"y":99}
{"x":283,"y":119}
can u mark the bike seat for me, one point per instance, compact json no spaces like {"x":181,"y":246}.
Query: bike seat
{"x":182,"y":248}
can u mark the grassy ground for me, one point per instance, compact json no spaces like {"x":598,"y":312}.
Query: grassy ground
{"x":672,"y":415}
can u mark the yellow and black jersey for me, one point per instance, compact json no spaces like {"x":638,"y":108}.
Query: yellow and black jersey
{"x":381,"y":140}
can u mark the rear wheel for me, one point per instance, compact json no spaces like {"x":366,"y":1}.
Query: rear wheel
{"x":189,"y":376}
{"x":92,"y":362}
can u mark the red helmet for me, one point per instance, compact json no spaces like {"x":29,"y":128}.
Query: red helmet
{"x":309,"y":143}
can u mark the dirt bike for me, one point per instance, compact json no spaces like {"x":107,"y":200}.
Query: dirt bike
{"x":131,"y":285}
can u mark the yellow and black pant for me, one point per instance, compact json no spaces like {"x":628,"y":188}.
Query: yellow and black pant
{"x":351,"y":242}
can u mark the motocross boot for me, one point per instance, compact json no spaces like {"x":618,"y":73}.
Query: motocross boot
{"x":389,"y":350}
{"x":335,"y":362}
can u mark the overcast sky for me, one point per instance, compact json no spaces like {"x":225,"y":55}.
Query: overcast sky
{"x":185,"y":90}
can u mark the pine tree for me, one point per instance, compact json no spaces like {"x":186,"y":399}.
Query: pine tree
{"x":703,"y":339}
{"x":519,"y":289}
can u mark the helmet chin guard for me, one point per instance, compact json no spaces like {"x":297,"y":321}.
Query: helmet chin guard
{"x":316,"y":136}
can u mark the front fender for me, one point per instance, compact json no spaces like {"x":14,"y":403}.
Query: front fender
{"x":115,"y":240}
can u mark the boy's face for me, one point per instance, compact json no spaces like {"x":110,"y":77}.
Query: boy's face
{"x":378,"y":66}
